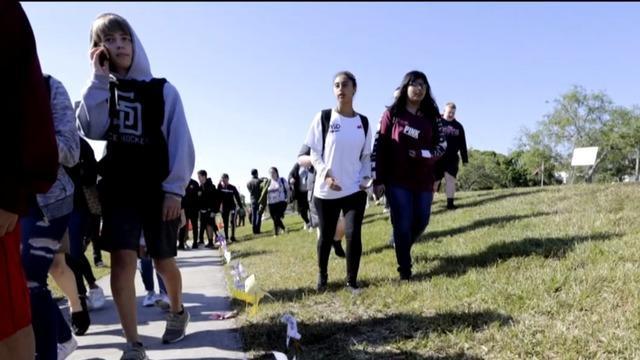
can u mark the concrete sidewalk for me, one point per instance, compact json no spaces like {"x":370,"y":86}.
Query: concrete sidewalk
{"x":205,"y":292}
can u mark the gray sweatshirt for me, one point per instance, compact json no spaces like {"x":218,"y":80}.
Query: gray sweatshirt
{"x":93,"y":114}
{"x":58,"y":201}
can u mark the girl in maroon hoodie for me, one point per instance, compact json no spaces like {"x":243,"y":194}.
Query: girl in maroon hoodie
{"x":409,"y":141}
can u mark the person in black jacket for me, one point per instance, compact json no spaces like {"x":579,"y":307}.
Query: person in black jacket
{"x":447,"y":166}
{"x":255,"y":190}
{"x":207,"y":203}
{"x":230,"y":202}
{"x":190,"y":206}
{"x":298,"y":179}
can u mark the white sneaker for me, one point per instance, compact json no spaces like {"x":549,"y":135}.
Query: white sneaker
{"x":150,"y":299}
{"x":96,"y":299}
{"x":65,"y":349}
{"x":162,"y":301}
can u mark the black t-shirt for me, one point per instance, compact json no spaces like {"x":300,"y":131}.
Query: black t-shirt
{"x":456,"y":141}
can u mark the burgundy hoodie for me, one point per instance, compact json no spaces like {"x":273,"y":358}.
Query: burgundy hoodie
{"x":399,"y":156}
{"x":28,"y":149}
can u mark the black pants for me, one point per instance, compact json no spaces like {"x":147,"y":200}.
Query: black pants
{"x":192,"y":216}
{"x":256,"y":218}
{"x":303,"y":205}
{"x":277,"y":214}
{"x":352,"y":207}
{"x":226,"y":216}
{"x":81,"y":270}
{"x":94,"y":235}
{"x":207,"y":218}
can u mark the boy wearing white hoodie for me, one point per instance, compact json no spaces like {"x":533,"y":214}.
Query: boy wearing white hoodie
{"x":143,"y":122}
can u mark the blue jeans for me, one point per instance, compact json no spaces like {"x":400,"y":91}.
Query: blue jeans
{"x":410,"y":212}
{"x":256,"y":218}
{"x":40,"y":242}
{"x":146,"y":270}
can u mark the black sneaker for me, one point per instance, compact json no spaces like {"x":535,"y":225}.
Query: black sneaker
{"x":322,"y":282}
{"x":450,"y":205}
{"x":405,"y":275}
{"x":80,"y":320}
{"x":209,"y":246}
{"x":337,"y":247}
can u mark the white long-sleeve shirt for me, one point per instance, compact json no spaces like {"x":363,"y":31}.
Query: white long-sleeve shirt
{"x":347,"y":154}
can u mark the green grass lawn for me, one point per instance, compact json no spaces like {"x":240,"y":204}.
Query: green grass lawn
{"x":548,"y":273}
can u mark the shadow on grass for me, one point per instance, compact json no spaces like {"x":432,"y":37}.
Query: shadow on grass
{"x":335,"y":339}
{"x":387,"y":355}
{"x":485,"y":200}
{"x":243,"y":254}
{"x":375,"y":217}
{"x":478,"y":224}
{"x":550,"y":247}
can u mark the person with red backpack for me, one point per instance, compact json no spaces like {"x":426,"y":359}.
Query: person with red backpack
{"x":340,"y":154}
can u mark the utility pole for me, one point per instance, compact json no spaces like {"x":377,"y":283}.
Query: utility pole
{"x":542,"y":175}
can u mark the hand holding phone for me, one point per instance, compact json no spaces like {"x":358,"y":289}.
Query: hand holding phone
{"x":100,"y":59}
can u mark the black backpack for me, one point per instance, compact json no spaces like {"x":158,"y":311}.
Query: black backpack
{"x":325,"y":118}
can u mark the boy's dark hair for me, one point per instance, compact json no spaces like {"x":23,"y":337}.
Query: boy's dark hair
{"x":224,"y":176}
{"x":254,"y":172}
{"x":428,"y":106}
{"x":107,"y":23}
{"x":349,"y":76}
{"x":202,"y":173}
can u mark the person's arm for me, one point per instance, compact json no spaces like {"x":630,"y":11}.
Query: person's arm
{"x":236,"y":195}
{"x":181,"y":152}
{"x":381,"y":150}
{"x":179,"y":142}
{"x":93,"y":112}
{"x":28,"y":150}
{"x":463,"y":146}
{"x":314,"y":141}
{"x":365,"y":158}
{"x":439,"y":141}
{"x":65,"y":124}
{"x":263,"y":194}
{"x":304,"y":157}
{"x":293,"y":174}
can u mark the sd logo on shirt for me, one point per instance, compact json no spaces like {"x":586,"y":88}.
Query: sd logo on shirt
{"x":334,"y":128}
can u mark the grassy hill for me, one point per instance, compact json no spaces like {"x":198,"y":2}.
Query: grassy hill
{"x":549,"y":273}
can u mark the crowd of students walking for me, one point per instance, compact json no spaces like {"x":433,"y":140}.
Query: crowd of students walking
{"x":52,"y":204}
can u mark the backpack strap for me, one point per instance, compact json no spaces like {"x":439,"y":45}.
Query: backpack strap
{"x":365,"y":127}
{"x":325,"y":118}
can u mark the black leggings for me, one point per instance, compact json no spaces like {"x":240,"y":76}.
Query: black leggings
{"x":352,"y":207}
{"x":303,"y":206}
{"x":277,"y":214}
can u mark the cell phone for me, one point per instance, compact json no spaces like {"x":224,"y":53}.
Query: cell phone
{"x":103,"y":57}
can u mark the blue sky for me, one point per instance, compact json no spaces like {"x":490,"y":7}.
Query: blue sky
{"x":252,"y":75}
